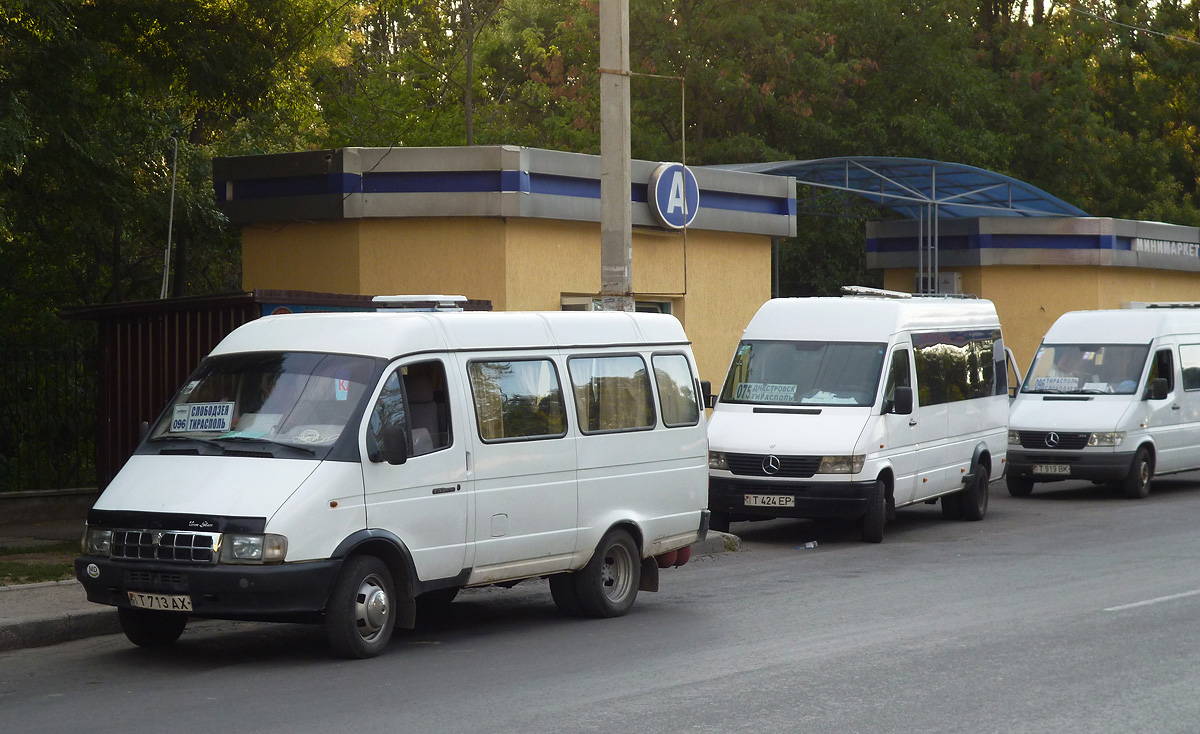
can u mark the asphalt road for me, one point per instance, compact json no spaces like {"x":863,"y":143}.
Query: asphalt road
{"x":1074,"y":610}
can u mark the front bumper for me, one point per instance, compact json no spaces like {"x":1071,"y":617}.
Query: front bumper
{"x":812,"y":499}
{"x":1092,"y":466}
{"x":288,"y":592}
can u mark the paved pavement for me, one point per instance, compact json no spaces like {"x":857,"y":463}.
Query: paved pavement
{"x":33,"y":615}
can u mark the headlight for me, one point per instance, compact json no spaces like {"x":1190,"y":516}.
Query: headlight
{"x":842,"y":464}
{"x":1014,"y":438}
{"x":97,"y":542}
{"x":716,"y":460}
{"x":237,"y":548}
{"x":1111,"y":438}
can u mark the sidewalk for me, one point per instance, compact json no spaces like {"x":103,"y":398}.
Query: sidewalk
{"x":35,"y":615}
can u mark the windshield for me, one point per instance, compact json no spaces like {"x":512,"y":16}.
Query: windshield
{"x":1086,"y":368}
{"x":296,"y":401}
{"x":804,"y":373}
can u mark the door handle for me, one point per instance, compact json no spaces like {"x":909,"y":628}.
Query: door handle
{"x":1175,"y":406}
{"x":912,"y":421}
{"x":445,"y":490}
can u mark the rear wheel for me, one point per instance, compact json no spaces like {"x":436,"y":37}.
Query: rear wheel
{"x":1137,"y":483}
{"x":359,"y":618}
{"x":608,"y":585}
{"x":1019,"y":486}
{"x":876,"y":515}
{"x":973,"y":500}
{"x":147,"y":628}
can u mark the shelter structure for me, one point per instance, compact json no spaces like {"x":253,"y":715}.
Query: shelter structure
{"x":961,"y":229}
{"x":519,"y":227}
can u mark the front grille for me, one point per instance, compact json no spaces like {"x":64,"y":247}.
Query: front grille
{"x":165,"y":545}
{"x":792,"y":467}
{"x":1066,"y":441}
{"x":156,"y":581}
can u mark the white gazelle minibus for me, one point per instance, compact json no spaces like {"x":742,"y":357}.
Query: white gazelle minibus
{"x":1112,"y":396}
{"x":348,"y":468}
{"x":852,"y":407}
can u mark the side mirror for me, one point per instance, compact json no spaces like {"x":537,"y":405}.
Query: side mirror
{"x":395,"y":444}
{"x":710,"y":400}
{"x":1158,"y":389}
{"x":902,"y":401}
{"x":143,"y":431}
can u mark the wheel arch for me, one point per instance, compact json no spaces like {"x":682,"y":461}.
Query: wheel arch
{"x":981,"y":457}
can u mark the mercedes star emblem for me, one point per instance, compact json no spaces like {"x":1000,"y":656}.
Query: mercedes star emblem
{"x":1051,"y":439}
{"x":770,"y":464}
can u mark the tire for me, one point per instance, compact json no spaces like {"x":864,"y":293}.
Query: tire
{"x":973,"y":501}
{"x":875,"y":517}
{"x":1137,"y":483}
{"x":1019,"y":486}
{"x":951,"y":505}
{"x":608,"y":585}
{"x":562,"y":590}
{"x":358,"y":618}
{"x":146,"y":628}
{"x":718,"y":520}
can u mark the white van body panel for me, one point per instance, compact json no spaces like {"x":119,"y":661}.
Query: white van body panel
{"x":205,"y":485}
{"x":741,"y":430}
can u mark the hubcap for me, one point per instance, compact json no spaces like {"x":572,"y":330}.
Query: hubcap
{"x":616,"y":575}
{"x":370,"y":607}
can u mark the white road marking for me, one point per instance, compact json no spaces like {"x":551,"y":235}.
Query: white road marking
{"x":1159,"y":600}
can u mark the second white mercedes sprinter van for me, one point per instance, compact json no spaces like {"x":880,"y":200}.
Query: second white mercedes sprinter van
{"x":852,"y":407}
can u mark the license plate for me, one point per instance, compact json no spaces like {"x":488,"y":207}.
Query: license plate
{"x":1051,"y":468}
{"x":769,"y":500}
{"x":162,"y":602}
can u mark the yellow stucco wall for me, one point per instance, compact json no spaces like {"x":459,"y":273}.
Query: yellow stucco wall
{"x":714,"y":284}
{"x":1029,"y":298}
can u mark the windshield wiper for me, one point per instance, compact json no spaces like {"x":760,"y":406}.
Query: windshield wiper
{"x":251,"y":439}
{"x":205,"y":441}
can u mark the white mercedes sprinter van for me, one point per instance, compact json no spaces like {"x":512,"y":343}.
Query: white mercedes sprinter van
{"x":342,"y":468}
{"x":1111,"y":396}
{"x":852,"y":407}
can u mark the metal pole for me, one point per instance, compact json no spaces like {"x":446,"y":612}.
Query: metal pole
{"x":616,"y":181}
{"x":170,"y":220}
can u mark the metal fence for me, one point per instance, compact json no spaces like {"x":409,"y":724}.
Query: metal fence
{"x":47,"y":415}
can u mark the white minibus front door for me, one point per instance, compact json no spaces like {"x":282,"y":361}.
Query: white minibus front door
{"x":900,"y":428}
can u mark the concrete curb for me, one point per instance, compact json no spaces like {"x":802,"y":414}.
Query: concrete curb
{"x":25,"y":621}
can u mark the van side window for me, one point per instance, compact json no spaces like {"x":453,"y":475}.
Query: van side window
{"x":898,"y":375}
{"x":957,"y":365}
{"x":517,"y":399}
{"x":1162,"y":367}
{"x":415,"y":398}
{"x":612,"y":393}
{"x":1189,"y":362}
{"x":428,"y":406}
{"x":676,"y":390}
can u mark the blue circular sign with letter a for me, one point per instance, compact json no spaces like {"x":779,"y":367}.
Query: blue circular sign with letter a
{"x":673,"y":195}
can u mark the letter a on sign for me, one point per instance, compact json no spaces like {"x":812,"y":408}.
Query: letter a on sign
{"x":673,"y":195}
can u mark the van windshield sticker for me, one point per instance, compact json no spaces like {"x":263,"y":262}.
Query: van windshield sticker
{"x":1061,"y":384}
{"x":202,"y":417}
{"x":187,"y":390}
{"x":763,"y":393}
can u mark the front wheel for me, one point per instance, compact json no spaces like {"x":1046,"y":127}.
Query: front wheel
{"x":608,"y":584}
{"x":1137,"y":483}
{"x":147,"y":628}
{"x":876,"y":515}
{"x":359,"y":618}
{"x":1019,"y":486}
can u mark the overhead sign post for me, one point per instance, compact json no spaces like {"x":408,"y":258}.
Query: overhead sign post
{"x":616,"y":181}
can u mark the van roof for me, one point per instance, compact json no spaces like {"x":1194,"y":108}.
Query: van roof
{"x":1122,"y":325}
{"x":391,"y":334}
{"x":866,"y":319}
